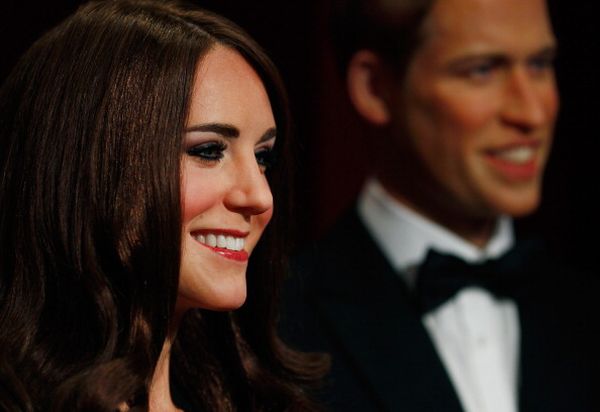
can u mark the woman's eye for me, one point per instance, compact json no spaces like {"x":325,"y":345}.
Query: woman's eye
{"x":265,"y":158}
{"x":208,"y":152}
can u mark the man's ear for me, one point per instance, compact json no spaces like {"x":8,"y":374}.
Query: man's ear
{"x":369,"y":86}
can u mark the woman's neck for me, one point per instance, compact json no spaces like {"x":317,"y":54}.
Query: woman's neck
{"x":159,"y":394}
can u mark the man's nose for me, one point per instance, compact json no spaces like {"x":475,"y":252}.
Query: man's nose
{"x":530,"y":100}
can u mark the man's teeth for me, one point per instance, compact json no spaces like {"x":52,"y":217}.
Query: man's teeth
{"x":517,"y":155}
{"x":222,"y":241}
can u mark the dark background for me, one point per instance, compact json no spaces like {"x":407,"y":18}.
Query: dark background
{"x":332,"y":158}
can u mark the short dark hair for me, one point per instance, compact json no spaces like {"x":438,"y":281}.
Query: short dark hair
{"x":91,"y":128}
{"x":390,"y":28}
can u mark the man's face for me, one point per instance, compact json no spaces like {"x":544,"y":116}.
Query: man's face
{"x":478,"y":104}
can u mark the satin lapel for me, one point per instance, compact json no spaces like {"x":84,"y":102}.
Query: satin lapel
{"x":368,"y":307}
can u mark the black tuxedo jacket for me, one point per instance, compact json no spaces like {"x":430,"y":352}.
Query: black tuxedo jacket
{"x":345,"y":299}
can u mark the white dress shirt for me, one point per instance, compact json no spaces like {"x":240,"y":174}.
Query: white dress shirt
{"x":476,"y":335}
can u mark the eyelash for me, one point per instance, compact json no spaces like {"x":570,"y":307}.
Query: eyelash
{"x":213,"y":152}
{"x":265,"y":157}
{"x":210,"y":152}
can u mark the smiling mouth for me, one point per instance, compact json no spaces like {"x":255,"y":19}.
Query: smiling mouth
{"x":225,"y":245}
{"x":518,"y":163}
{"x":517,"y":155}
{"x":221,"y":241}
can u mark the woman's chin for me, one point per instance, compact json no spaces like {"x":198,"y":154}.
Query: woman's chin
{"x":221,"y":299}
{"x":227,"y":303}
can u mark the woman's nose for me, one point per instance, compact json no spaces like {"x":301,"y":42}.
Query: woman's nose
{"x":249,"y":193}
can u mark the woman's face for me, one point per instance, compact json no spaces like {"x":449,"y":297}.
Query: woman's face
{"x":226,"y":199}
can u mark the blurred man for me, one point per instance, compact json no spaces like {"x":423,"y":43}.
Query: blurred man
{"x":422,"y":294}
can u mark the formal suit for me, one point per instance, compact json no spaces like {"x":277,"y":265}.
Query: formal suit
{"x":344,"y":298}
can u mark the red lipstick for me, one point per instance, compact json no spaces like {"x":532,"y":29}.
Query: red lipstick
{"x":202,"y":236}
{"x":237,"y":255}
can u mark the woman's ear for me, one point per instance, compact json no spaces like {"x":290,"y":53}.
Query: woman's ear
{"x":368,"y":87}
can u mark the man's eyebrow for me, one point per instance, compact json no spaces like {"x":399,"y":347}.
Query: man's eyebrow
{"x":548,"y":51}
{"x":498,"y":57}
{"x":225,"y":130}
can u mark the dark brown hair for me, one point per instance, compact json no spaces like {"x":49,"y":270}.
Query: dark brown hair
{"x":91,"y":126}
{"x":391,"y":28}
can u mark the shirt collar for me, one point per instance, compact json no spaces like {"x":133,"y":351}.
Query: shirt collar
{"x":405,"y":236}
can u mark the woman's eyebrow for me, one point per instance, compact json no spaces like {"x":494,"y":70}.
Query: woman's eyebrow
{"x":225,"y":130}
{"x":268,"y":135}
{"x":228,"y":131}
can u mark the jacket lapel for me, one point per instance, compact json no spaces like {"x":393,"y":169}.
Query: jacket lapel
{"x":369,"y":308}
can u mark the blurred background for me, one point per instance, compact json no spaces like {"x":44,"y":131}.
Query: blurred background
{"x":331,"y":156}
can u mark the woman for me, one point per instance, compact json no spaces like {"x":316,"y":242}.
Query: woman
{"x":137,"y":144}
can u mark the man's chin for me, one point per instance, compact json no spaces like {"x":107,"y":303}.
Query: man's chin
{"x":518,"y":204}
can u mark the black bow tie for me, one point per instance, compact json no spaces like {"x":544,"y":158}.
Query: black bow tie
{"x":442,"y":276}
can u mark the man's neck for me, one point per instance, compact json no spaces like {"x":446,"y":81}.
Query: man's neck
{"x":475,"y":230}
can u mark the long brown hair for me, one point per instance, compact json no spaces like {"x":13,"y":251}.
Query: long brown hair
{"x":91,"y":126}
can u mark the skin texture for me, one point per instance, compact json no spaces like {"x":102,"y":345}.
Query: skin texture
{"x":481,"y":82}
{"x":228,"y":193}
{"x":231,"y":193}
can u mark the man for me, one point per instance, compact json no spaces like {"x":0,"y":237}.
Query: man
{"x":462,"y":98}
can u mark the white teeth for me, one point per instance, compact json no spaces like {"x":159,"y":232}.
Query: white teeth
{"x":517,"y":155}
{"x":222,"y":241}
{"x":211,"y":240}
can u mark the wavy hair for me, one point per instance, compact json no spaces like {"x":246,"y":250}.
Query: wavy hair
{"x":91,"y":126}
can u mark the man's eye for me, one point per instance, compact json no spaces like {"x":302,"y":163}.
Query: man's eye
{"x":265,"y":158}
{"x":541,"y":64}
{"x":208,"y":152}
{"x":480,"y":71}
